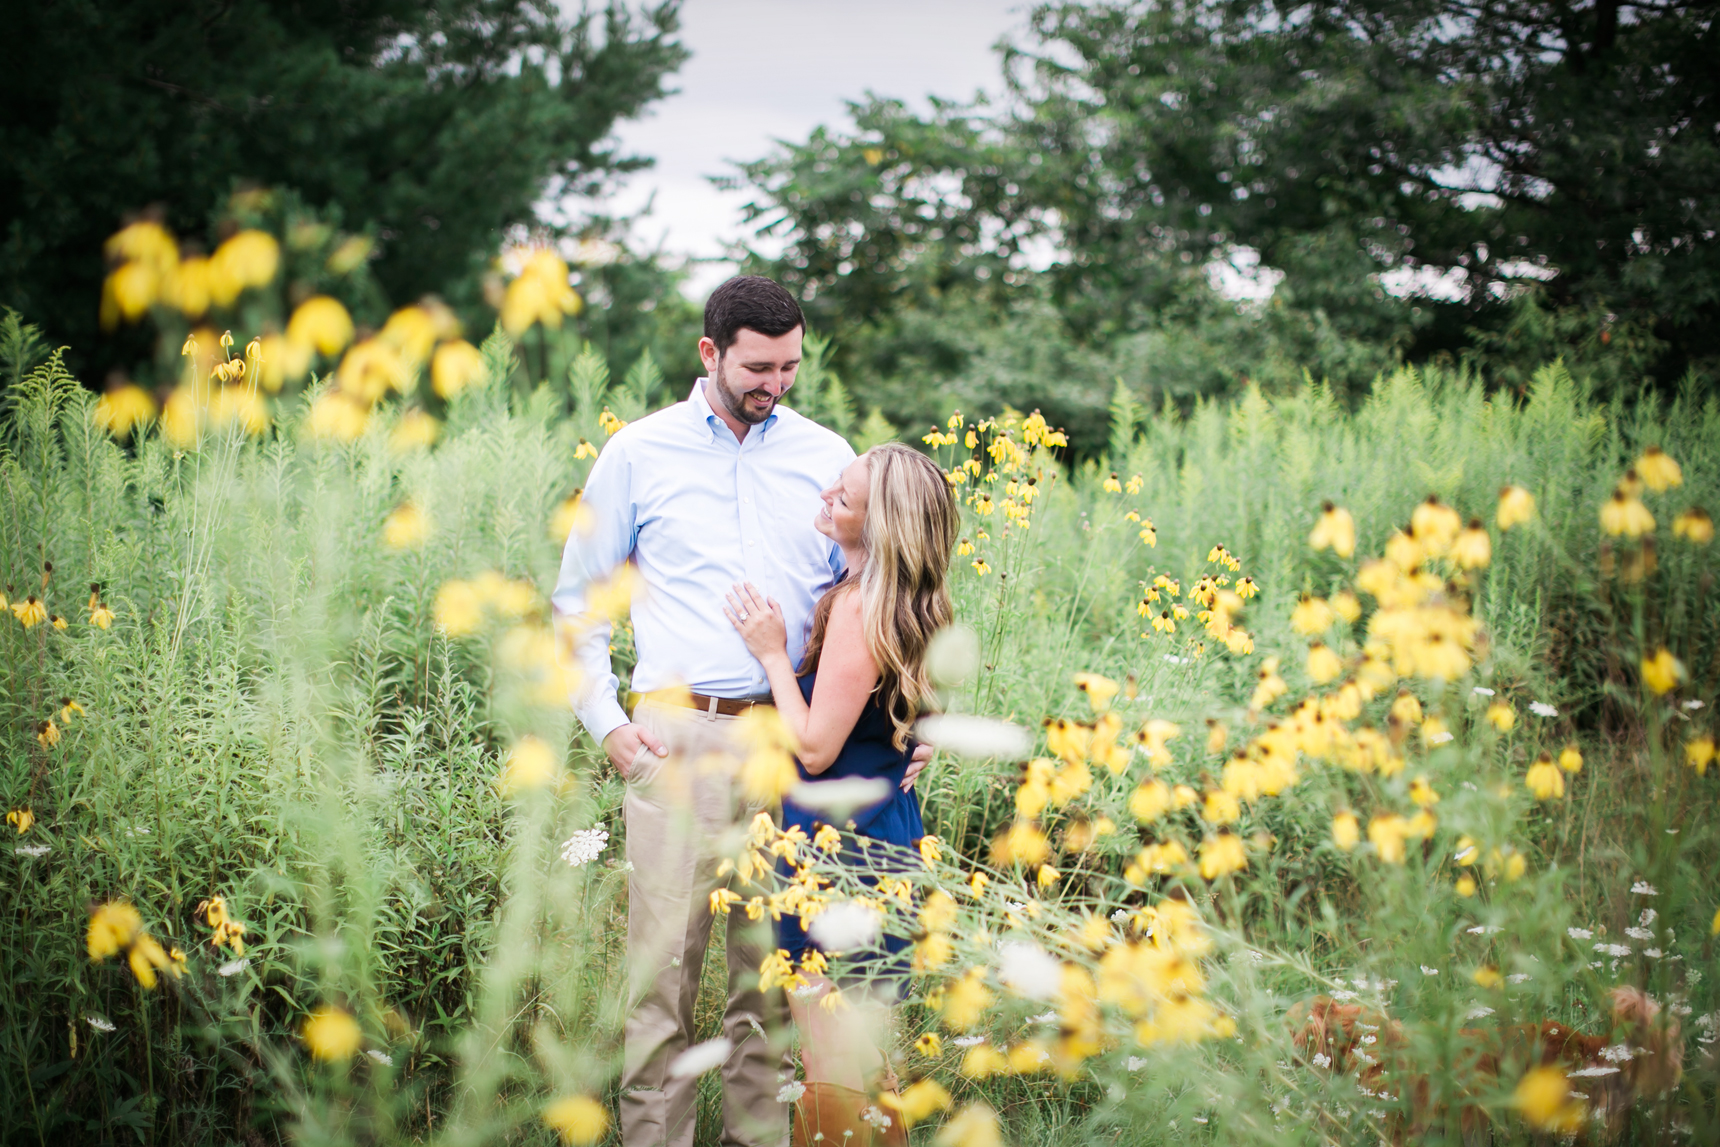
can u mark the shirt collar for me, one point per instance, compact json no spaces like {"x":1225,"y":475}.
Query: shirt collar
{"x":702,"y":407}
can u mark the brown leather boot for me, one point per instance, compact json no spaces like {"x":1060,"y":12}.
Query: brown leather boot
{"x":828,"y":1115}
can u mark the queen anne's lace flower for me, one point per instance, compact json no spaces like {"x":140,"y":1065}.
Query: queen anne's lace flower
{"x":584,"y":846}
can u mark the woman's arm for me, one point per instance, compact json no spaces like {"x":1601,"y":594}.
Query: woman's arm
{"x":846,"y":672}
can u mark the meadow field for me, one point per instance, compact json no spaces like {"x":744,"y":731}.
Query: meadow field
{"x":1364,"y":739}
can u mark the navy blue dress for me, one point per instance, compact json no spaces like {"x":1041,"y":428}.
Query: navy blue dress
{"x":868,"y":752}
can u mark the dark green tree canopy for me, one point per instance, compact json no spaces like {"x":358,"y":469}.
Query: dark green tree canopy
{"x":1489,"y":145}
{"x":433,"y":124}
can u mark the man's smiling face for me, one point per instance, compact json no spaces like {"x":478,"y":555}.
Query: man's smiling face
{"x":753,"y":373}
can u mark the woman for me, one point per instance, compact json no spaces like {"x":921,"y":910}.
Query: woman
{"x":861,"y":686}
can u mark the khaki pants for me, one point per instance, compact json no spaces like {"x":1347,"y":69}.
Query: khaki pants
{"x":678,"y":811}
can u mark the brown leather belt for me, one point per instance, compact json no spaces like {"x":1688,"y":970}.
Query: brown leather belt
{"x":727,"y":706}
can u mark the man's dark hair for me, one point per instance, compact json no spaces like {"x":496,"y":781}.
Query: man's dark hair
{"x":750,"y":301}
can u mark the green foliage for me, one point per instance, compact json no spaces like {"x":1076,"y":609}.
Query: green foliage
{"x":435,"y":127}
{"x":276,"y":716}
{"x":1144,"y":143}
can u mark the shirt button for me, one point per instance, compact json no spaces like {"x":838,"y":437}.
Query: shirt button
{"x":748,"y":501}
{"x":752,"y":543}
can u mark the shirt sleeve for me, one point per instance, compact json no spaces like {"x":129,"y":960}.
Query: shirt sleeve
{"x":596,"y":547}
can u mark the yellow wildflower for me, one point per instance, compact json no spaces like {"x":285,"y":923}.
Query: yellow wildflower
{"x":145,"y":956}
{"x":1421,"y":793}
{"x":1486,"y":977}
{"x":983,"y":1061}
{"x":929,"y":1045}
{"x":1694,"y":525}
{"x":1502,"y":716}
{"x":1134,"y":485}
{"x":30,"y":611}
{"x":21,"y":819}
{"x":1544,"y":780}
{"x":112,"y":928}
{"x":1022,"y":843}
{"x":966,"y":1001}
{"x":1323,"y":665}
{"x":1624,"y":514}
{"x":1544,"y":1097}
{"x":827,"y":839}
{"x":458,"y":609}
{"x":416,"y":429}
{"x":1113,"y":485}
{"x":1335,"y":529}
{"x":248,"y":259}
{"x":1221,"y":807}
{"x":1099,"y":690}
{"x":1434,"y":525}
{"x":1698,"y":754}
{"x":1473,"y":549}
{"x":48,"y":733}
{"x":1148,"y":535}
{"x":59,"y":622}
{"x":1516,"y":506}
{"x":974,"y":1126}
{"x":930,"y":850}
{"x":1345,"y":605}
{"x":1312,"y":615}
{"x":1662,"y":672}
{"x":981,"y":567}
{"x":531,"y":764}
{"x":1346,"y":832}
{"x":1221,"y":854}
{"x":578,"y":1119}
{"x":1465,"y":886}
{"x":1571,"y":760}
{"x":407,"y":528}
{"x":124,"y":407}
{"x":1658,"y":471}
{"x":322,"y":323}
{"x":331,"y":1034}
{"x":1387,"y":833}
{"x":336,"y":416}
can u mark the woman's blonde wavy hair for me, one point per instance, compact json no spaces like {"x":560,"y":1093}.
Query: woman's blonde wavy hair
{"x":909,"y":534}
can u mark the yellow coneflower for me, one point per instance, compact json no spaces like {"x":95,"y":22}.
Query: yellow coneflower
{"x":1662,"y":672}
{"x":124,"y":408}
{"x":1544,"y":780}
{"x":30,"y":611}
{"x":1698,"y":754}
{"x":1544,"y":1097}
{"x":1346,"y":831}
{"x":1335,"y":530}
{"x":1516,"y":506}
{"x":100,"y":615}
{"x":981,"y":567}
{"x":69,"y":709}
{"x":331,"y":1034}
{"x":1434,"y":525}
{"x":1624,"y":514}
{"x":1502,"y":716}
{"x":584,"y":450}
{"x":21,"y":819}
{"x":1221,"y":854}
{"x":112,"y":927}
{"x":1312,"y":615}
{"x":1571,"y":759}
{"x":1694,"y":526}
{"x":59,"y":622}
{"x":1658,"y":471}
{"x":1113,"y":484}
{"x":407,"y":527}
{"x":1387,"y":833}
{"x":1473,"y":549}
{"x":578,"y":1119}
{"x":48,"y":733}
{"x":531,"y":764}
{"x":1324,"y":666}
{"x":322,"y":323}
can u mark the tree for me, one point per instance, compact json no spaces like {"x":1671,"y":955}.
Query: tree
{"x":433,"y":125}
{"x":1411,"y":167}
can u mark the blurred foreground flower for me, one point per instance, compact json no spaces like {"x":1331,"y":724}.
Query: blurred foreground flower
{"x":977,"y":738}
{"x":1335,"y":530}
{"x":1516,"y":506}
{"x":578,"y":1119}
{"x":331,"y":1034}
{"x":1662,"y":672}
{"x":124,"y":408}
{"x":531,"y":764}
{"x":408,"y":527}
{"x":1544,"y":1097}
{"x":541,"y":294}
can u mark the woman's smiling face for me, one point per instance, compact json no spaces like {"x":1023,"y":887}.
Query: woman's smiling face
{"x":843,"y":514}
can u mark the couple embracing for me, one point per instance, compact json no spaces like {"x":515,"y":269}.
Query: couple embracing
{"x":776,"y":569}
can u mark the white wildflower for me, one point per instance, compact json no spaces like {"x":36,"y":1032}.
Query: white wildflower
{"x":1028,"y":970}
{"x":701,"y":1057}
{"x":1482,"y":691}
{"x":1322,"y":1060}
{"x":1369,"y":1040}
{"x":791,"y":1092}
{"x":1614,"y":950}
{"x":1046,"y":1018}
{"x":584,"y":846}
{"x":1648,"y":917}
{"x":1693,"y":704}
{"x":1439,"y":738}
{"x":1479,"y":1013}
{"x":379,"y":1057}
{"x":1364,"y":1057}
{"x":32,"y":850}
{"x":1652,"y":953}
{"x":233,"y":967}
{"x":1592,"y":1072}
{"x":1644,"y":888}
{"x":971,"y":1041}
{"x":1618,"y":1053}
{"x":846,"y":927}
{"x":1639,"y":933}
{"x":1427,"y":971}
{"x":977,"y":738}
{"x":841,"y":798}
{"x":1343,"y":995}
{"x":1542,"y":709}
{"x":100,"y":1023}
{"x":1579,"y":933}
{"x":1120,"y":916}
{"x":875,"y":1117}
{"x":1517,"y":977}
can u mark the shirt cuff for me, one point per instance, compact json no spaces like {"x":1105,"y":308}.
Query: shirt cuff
{"x":602,"y":717}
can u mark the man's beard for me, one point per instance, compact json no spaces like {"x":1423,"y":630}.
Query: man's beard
{"x":735,"y":400}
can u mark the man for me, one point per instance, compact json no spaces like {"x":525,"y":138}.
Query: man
{"x":710,"y":492}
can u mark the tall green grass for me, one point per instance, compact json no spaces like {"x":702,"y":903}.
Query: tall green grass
{"x":274,"y":718}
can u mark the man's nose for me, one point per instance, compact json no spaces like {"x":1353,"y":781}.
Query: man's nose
{"x":774,"y":384}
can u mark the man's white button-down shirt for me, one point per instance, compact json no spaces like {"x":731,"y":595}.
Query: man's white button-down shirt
{"x":696,"y":512}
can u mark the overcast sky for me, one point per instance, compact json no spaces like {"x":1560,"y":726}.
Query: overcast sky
{"x":775,"y":69}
